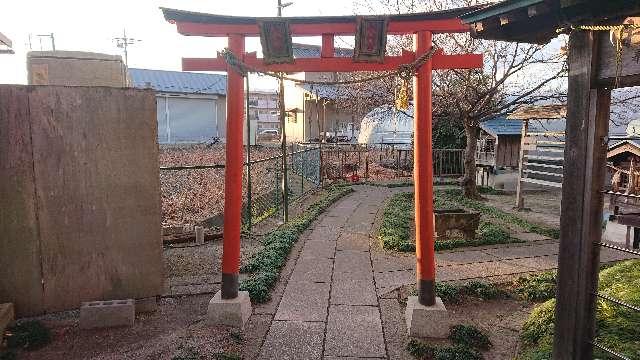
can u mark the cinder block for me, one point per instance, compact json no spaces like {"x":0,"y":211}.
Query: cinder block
{"x":199,"y":234}
{"x":103,"y":314}
{"x":146,"y":305}
{"x":7,"y":316}
{"x":231,"y":312}
{"x":427,"y":321}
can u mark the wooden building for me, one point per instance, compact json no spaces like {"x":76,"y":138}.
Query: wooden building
{"x":596,"y":66}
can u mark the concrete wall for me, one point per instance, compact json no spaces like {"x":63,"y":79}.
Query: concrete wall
{"x":75,"y":68}
{"x":80,"y":193}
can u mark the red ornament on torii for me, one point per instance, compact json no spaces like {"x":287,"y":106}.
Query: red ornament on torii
{"x":421,"y":25}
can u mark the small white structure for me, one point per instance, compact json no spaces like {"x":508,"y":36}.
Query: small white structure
{"x":387,"y":125}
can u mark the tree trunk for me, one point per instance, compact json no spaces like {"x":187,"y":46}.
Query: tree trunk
{"x":469,"y":180}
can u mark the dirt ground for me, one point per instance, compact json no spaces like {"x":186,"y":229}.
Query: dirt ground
{"x":500,"y":319}
{"x":541,"y":207}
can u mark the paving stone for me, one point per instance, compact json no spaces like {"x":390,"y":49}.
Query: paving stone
{"x":528,"y":236}
{"x":359,"y":275}
{"x":395,"y":329}
{"x":353,"y":241}
{"x":463,"y":257}
{"x":609,"y":255}
{"x":479,"y":270}
{"x":324,"y":233}
{"x":394,"y":279}
{"x":312,"y":270}
{"x":536,"y":263}
{"x":522,"y":251}
{"x":353,"y":292}
{"x":392,"y":262}
{"x":352,"y":261}
{"x":254,"y":332}
{"x":304,"y":301}
{"x":318,"y":250}
{"x":363,"y":328}
{"x":333,"y":221}
{"x":293,"y":340}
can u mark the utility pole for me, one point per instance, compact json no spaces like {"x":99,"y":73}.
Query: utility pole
{"x":283,"y":137}
{"x":123,"y":43}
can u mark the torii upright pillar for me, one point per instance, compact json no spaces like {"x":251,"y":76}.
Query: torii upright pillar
{"x":425,"y":313}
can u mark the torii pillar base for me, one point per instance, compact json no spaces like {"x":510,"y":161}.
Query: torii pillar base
{"x":231,"y":312}
{"x":427,"y":321}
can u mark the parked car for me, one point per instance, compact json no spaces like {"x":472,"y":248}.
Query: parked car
{"x":269,"y":135}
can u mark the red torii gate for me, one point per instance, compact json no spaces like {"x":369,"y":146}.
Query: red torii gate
{"x":422,"y":25}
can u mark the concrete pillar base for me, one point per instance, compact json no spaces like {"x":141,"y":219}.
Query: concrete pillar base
{"x":427,"y":321}
{"x":231,"y":312}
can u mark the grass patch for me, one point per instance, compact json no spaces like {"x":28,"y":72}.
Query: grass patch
{"x":456,"y":293}
{"x":486,"y":190}
{"x":395,"y":229}
{"x":455,"y":196}
{"x":469,"y":336}
{"x":398,"y":215}
{"x":266,"y":264}
{"x":28,"y":335}
{"x":617,"y":326}
{"x":421,"y":350}
{"x":537,"y":287}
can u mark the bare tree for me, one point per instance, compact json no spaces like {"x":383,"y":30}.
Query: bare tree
{"x":513,"y":75}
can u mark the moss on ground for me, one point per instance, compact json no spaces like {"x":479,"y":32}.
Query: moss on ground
{"x":266,"y":264}
{"x":617,"y":326}
{"x":467,"y":341}
{"x":398,"y":215}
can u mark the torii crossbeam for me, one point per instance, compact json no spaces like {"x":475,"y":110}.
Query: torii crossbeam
{"x":421,"y":25}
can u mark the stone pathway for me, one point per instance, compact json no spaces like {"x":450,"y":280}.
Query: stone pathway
{"x":329,"y":308}
{"x":339,"y":290}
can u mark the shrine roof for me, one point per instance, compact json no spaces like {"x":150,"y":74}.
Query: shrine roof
{"x":204,"y":18}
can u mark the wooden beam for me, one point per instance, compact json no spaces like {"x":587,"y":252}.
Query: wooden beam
{"x":337,"y":64}
{"x":582,"y":202}
{"x":347,"y":28}
{"x":627,"y":71}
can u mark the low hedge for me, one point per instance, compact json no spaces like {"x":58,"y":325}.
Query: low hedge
{"x":265,"y":265}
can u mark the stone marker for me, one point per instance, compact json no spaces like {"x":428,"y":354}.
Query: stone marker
{"x":231,"y":312}
{"x":103,"y":314}
{"x":146,"y":305}
{"x":427,"y":321}
{"x":199,"y":234}
{"x":6,"y":317}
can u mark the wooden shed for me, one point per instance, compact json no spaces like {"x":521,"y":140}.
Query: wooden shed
{"x":499,"y":143}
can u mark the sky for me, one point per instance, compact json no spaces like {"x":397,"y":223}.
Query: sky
{"x":91,"y":25}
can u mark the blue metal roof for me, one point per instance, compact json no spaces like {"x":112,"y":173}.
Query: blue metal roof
{"x":502,"y":126}
{"x":179,"y":81}
{"x":313,"y":51}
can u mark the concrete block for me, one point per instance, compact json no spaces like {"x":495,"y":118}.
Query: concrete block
{"x":199,"y":234}
{"x":103,"y":314}
{"x":231,"y":312}
{"x":146,"y":305}
{"x":7,"y":316}
{"x":427,"y":321}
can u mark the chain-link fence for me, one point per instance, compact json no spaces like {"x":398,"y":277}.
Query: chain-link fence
{"x":192,"y":182}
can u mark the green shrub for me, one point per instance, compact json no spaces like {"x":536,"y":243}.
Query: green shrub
{"x":487,"y":190}
{"x":537,"y":287}
{"x":421,"y":350}
{"x":28,"y":335}
{"x":469,"y":336}
{"x":617,"y":326}
{"x":448,"y":292}
{"x":265,"y":265}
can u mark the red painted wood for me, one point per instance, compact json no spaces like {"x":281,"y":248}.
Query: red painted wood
{"x":328,"y":48}
{"x":439,"y":62}
{"x":234,"y":165}
{"x":348,"y":28}
{"x":423,"y":165}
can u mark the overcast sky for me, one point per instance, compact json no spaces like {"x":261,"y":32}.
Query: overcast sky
{"x":91,"y":25}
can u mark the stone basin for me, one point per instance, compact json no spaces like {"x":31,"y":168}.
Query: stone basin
{"x":462,"y":220}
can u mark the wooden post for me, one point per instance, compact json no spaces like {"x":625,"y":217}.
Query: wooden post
{"x":233,"y":176}
{"x":582,"y":202}
{"x":423,"y":176}
{"x":519,"y":195}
